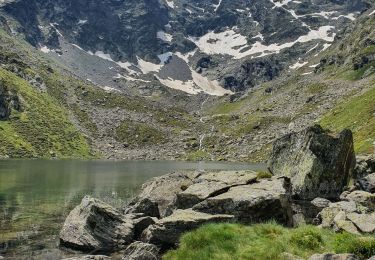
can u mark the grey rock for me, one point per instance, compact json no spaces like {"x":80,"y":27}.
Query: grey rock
{"x":364,"y":222}
{"x":365,"y":166}
{"x":334,"y":257}
{"x":367,"y":183}
{"x":89,"y":257}
{"x":158,"y":195}
{"x":319,"y":164}
{"x":167,"y":231}
{"x":95,"y":225}
{"x":268,"y":199}
{"x":363,"y":198}
{"x":327,"y":215}
{"x":212,"y":184}
{"x":320,"y":202}
{"x":141,"y":251}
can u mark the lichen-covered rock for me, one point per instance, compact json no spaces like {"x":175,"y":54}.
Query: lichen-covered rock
{"x":158,"y":195}
{"x":364,"y":222}
{"x":166,"y":232}
{"x":365,"y":166}
{"x":212,"y":184}
{"x":319,"y":164}
{"x":320,"y":203}
{"x":367,"y":183}
{"x":141,"y":251}
{"x":334,"y":257}
{"x":363,"y":198}
{"x":267,"y":199}
{"x":96,"y":226}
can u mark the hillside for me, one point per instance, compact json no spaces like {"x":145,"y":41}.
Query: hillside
{"x":63,"y":101}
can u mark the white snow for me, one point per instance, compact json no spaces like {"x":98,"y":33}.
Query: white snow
{"x":280,"y":3}
{"x":170,"y":3}
{"x":78,"y":47}
{"x":110,"y":89}
{"x":147,"y":67}
{"x":45,"y":49}
{"x":81,"y":22}
{"x":164,"y":57}
{"x":218,"y":5}
{"x":373,"y":12}
{"x":298,"y":65}
{"x":164,"y":36}
{"x":234,"y":44}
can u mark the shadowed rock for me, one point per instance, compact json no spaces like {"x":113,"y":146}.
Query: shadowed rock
{"x":319,"y":164}
{"x":268,"y":199}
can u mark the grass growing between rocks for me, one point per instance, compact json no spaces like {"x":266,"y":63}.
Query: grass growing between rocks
{"x":356,"y":114}
{"x":42,"y":129}
{"x":266,"y":241}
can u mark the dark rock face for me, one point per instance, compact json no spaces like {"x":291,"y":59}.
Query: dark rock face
{"x":8,"y":101}
{"x":96,"y":226}
{"x":318,"y":164}
{"x":141,"y":251}
{"x":130,"y":29}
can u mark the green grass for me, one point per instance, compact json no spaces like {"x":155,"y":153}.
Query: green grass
{"x":356,"y":114}
{"x":140,"y":134}
{"x":266,"y":241}
{"x":41,"y":129}
{"x":198,"y":156}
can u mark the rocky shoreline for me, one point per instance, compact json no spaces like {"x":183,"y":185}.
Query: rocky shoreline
{"x":313,"y":179}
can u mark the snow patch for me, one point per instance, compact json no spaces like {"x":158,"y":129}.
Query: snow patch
{"x":170,"y":3}
{"x":234,"y":44}
{"x":165,"y":37}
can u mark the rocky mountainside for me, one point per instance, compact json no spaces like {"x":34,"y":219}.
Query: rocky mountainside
{"x":194,"y":46}
{"x":129,"y":76}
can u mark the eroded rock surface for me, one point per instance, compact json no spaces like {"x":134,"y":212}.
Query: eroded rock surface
{"x":141,"y":251}
{"x":261,"y":201}
{"x":167,"y":231}
{"x":96,"y":226}
{"x":319,"y":164}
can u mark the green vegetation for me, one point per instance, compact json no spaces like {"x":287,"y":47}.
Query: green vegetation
{"x":139,"y":134}
{"x":356,"y":114}
{"x":41,"y":128}
{"x":198,"y":156}
{"x":264,"y":175}
{"x":266,"y":241}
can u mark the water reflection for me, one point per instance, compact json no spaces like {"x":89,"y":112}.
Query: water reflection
{"x":36,"y":195}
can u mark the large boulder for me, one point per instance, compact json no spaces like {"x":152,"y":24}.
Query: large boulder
{"x":96,"y":226}
{"x":166,"y":232}
{"x":141,"y":251}
{"x":158,"y":195}
{"x":261,"y":201}
{"x":319,"y":164}
{"x":212,"y":184}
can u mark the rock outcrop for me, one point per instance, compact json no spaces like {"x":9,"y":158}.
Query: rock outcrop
{"x":96,"y":226}
{"x":261,"y":201}
{"x":319,"y":164}
{"x":166,"y":232}
{"x":158,"y":195}
{"x":334,"y":257}
{"x":141,"y":251}
{"x":309,"y":167}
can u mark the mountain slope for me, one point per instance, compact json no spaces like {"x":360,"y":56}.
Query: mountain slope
{"x":193,"y":46}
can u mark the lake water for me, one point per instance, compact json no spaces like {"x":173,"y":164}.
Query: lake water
{"x":36,"y":196}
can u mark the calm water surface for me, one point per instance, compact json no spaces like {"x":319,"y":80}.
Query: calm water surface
{"x":36,"y":196}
